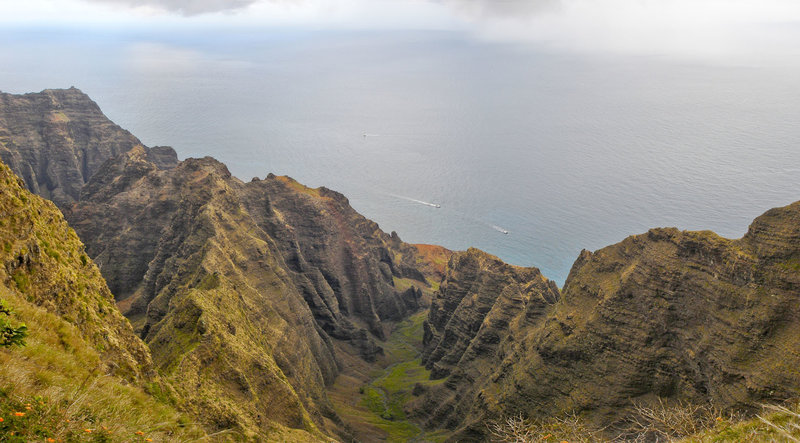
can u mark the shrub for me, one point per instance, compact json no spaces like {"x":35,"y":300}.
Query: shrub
{"x":663,"y":423}
{"x":10,"y":335}
{"x":518,"y":429}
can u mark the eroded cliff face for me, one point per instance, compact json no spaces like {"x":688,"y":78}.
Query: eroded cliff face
{"x":240,"y":288}
{"x":56,"y":140}
{"x":246,"y":293}
{"x":249,"y":295}
{"x":343,"y":264}
{"x":473,"y":325}
{"x":671,"y":314}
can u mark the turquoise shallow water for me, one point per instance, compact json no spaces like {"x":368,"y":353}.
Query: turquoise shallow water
{"x":560,"y":150}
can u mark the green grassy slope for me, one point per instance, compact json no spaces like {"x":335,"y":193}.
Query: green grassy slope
{"x":83,"y":375}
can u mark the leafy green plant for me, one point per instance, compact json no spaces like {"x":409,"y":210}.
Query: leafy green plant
{"x":10,"y":335}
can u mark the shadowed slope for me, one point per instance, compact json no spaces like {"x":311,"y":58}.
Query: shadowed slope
{"x":680,"y":315}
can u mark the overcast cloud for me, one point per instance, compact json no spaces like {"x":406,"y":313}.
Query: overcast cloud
{"x":184,"y":7}
{"x":503,"y":8}
{"x":753,"y":30}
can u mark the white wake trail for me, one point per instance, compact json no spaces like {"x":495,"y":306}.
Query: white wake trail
{"x":414,"y":200}
{"x":499,"y":229}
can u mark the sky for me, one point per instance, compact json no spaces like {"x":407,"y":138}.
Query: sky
{"x":750,"y":31}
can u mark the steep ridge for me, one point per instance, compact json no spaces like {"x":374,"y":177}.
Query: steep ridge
{"x":244,"y":282}
{"x":246,"y":293}
{"x":57,"y":139}
{"x":44,"y":261}
{"x":249,"y":282}
{"x":343,"y":263}
{"x":471,"y":327}
{"x":82,"y":369}
{"x":677,"y":315}
{"x":470,"y":316}
{"x":210,"y":294}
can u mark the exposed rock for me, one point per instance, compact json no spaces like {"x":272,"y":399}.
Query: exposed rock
{"x":57,"y":139}
{"x":678,"y":315}
{"x":471,"y":327}
{"x":209,"y":292}
{"x":228,"y":280}
{"x":239,"y":289}
{"x":343,"y":263}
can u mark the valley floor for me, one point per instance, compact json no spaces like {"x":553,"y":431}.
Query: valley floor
{"x":371,"y":399}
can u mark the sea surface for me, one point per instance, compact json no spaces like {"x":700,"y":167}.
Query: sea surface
{"x":529,"y":153}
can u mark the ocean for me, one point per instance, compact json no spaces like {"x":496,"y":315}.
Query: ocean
{"x":524,"y":151}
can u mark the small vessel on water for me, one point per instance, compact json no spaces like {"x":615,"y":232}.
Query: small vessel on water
{"x":499,"y":229}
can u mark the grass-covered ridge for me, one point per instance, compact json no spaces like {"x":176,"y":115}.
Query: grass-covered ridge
{"x":56,"y":389}
{"x":81,"y":374}
{"x":44,"y":262}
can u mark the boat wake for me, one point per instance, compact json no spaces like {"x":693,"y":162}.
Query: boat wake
{"x":414,"y":200}
{"x":499,"y":229}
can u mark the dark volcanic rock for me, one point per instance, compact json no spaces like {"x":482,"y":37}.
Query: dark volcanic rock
{"x":254,"y":279}
{"x":240,"y":290}
{"x":57,"y":139}
{"x":671,"y":314}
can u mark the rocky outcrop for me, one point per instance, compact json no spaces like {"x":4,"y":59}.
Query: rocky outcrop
{"x":670,"y":314}
{"x":473,"y":324}
{"x":478,"y":300}
{"x":57,"y":139}
{"x":342,"y":263}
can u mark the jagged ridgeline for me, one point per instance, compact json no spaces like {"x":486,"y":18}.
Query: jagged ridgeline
{"x":249,"y":295}
{"x":687,"y":316}
{"x":260,"y":308}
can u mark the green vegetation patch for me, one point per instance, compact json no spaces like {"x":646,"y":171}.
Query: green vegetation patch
{"x":21,"y":280}
{"x":386,"y":396}
{"x":791,"y":265}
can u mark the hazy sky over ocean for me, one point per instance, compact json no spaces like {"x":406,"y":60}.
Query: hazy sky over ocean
{"x":747,"y":31}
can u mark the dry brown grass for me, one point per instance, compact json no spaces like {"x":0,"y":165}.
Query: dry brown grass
{"x":518,"y":429}
{"x":655,"y":422}
{"x":662,"y":422}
